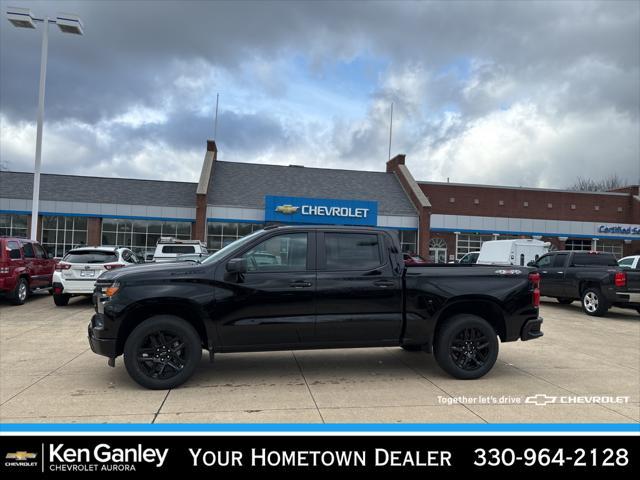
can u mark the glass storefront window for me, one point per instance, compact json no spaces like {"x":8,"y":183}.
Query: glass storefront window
{"x":408,"y":241}
{"x":220,"y":234}
{"x":60,"y":234}
{"x":13,"y":225}
{"x":610,"y":246}
{"x":583,"y":244}
{"x":470,"y":243}
{"x":141,"y":236}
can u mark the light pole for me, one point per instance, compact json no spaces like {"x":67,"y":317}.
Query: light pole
{"x":23,"y":18}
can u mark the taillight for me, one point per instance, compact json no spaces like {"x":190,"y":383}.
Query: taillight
{"x":111,"y":266}
{"x":62,"y":266}
{"x":534,"y":278}
{"x":620,"y":279}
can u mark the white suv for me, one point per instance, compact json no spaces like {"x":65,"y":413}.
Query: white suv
{"x":78,"y":270}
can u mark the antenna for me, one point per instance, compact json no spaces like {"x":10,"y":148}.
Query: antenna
{"x":390,"y":130}
{"x":215,"y":124}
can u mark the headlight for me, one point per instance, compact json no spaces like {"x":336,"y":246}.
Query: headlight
{"x":111,"y":290}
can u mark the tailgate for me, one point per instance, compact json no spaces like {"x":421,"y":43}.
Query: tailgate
{"x":633,"y":281}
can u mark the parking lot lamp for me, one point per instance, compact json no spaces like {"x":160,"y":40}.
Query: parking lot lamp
{"x":23,"y":18}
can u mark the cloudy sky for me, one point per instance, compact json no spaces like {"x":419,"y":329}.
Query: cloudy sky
{"x":513,"y":93}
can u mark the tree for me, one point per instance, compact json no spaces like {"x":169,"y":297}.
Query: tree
{"x":584,"y":184}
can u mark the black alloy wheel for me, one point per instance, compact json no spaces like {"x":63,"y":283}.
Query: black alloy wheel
{"x":466,"y":346}
{"x":470,"y":349}
{"x":162,"y":352}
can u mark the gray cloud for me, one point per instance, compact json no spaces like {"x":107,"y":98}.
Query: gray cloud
{"x":574,"y":61}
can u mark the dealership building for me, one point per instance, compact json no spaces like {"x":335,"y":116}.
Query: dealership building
{"x":443,"y":221}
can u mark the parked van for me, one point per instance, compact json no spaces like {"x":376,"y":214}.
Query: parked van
{"x":512,"y":252}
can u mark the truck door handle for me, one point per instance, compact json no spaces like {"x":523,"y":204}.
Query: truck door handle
{"x":300,"y":284}
{"x":384,"y":283}
{"x":544,"y":271}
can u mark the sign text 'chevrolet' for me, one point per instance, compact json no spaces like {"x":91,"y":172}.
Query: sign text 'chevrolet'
{"x":320,"y":211}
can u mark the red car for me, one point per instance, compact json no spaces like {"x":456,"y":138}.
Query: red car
{"x":413,"y":260}
{"x":25,"y":266}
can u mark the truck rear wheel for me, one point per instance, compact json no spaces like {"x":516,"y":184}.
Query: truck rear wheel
{"x":594,"y":303}
{"x":162,"y":352}
{"x":466,"y":347}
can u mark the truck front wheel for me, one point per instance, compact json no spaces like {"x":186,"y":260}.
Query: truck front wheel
{"x":162,"y":352}
{"x":466,"y":347}
{"x":594,"y":303}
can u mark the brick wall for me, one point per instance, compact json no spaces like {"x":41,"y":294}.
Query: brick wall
{"x":611,"y":208}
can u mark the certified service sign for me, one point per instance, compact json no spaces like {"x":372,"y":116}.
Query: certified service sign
{"x":320,"y":210}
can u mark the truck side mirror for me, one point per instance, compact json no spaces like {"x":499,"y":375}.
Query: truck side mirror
{"x":531,"y":264}
{"x":237,"y":265}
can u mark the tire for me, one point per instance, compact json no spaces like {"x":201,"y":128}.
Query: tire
{"x":20,"y":292}
{"x":565,"y":301}
{"x":61,"y":299}
{"x":594,"y":303}
{"x":452,"y":341}
{"x":412,"y":348}
{"x":170,"y":370}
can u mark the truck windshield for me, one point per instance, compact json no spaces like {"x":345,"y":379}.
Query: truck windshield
{"x":231,"y":247}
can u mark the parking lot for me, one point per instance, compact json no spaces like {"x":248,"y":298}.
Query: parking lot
{"x":49,"y":374}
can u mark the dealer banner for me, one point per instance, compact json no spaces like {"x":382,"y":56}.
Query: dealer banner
{"x":57,"y":456}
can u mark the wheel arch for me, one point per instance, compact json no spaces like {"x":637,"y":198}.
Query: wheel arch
{"x":142,"y":311}
{"x":483,"y":308}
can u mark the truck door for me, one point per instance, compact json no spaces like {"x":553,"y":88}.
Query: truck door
{"x":273,"y":303}
{"x":552,"y":275}
{"x":359,"y":298}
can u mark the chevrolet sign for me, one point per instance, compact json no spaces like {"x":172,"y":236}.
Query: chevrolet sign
{"x":321,"y":211}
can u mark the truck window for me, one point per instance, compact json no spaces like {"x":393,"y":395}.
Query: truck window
{"x":560,"y":260}
{"x":352,"y":251}
{"x":27,"y":248}
{"x":14,"y":250}
{"x":39,"y":251}
{"x":588,"y":259}
{"x":545,"y":261}
{"x":282,"y":253}
{"x":179,"y":249}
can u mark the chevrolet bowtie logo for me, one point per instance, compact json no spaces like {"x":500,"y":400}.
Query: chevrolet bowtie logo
{"x":21,"y":456}
{"x":287,"y":209}
{"x":540,"y":399}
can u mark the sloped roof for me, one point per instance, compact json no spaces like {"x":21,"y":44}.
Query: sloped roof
{"x":246,"y":184}
{"x":74,"y":188}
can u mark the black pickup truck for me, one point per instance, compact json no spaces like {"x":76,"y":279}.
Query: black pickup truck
{"x":594,"y":278}
{"x":291,"y":287}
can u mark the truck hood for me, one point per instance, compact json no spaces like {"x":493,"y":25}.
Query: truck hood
{"x":152,"y":271}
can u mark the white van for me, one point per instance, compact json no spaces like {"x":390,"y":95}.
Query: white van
{"x":512,"y":252}
{"x":168,"y":249}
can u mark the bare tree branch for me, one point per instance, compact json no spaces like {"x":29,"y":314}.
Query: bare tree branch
{"x":611,"y":182}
